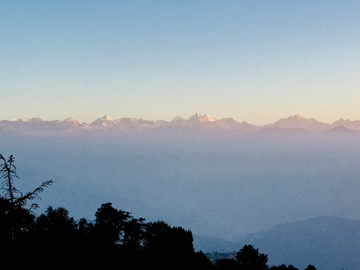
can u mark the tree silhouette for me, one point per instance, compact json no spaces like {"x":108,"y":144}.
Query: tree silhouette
{"x":85,"y":227}
{"x":55,"y":221}
{"x":110,"y":224}
{"x":153,"y":229}
{"x":56,"y":238}
{"x":14,"y":218}
{"x":134,"y":233}
{"x":249,"y":258}
{"x":15,"y":215}
{"x":169,"y":247}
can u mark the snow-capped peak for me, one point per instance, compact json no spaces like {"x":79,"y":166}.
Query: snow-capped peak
{"x":106,"y":117}
{"x":201,"y":118}
{"x":20,"y":120}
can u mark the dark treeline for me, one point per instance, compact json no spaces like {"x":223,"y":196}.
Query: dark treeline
{"x":115,"y":239}
{"x":54,"y":239}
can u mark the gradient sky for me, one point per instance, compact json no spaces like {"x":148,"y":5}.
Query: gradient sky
{"x":253,"y":60}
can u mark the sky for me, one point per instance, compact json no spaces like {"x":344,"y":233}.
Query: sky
{"x":256,"y":61}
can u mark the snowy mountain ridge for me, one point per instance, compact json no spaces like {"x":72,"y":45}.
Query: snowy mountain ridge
{"x":197,"y":121}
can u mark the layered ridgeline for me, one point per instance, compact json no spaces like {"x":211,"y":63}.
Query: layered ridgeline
{"x":197,"y":121}
{"x":329,"y":243}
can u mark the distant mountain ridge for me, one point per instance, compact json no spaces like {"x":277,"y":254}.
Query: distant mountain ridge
{"x":329,"y":243}
{"x":197,"y":121}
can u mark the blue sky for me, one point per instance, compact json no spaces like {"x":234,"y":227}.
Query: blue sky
{"x":253,"y":60}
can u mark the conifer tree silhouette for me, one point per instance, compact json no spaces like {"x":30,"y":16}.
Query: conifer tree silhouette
{"x":14,"y":212}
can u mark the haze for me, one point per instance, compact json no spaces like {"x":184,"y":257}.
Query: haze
{"x":218,"y":182}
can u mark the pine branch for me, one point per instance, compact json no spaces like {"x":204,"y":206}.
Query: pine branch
{"x":34,"y":194}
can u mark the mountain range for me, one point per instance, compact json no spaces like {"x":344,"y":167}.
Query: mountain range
{"x":198,"y":122}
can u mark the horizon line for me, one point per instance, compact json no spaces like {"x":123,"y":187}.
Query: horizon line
{"x":108,"y":118}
